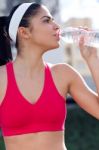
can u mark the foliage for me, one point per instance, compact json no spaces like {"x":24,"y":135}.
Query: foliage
{"x":82,"y":130}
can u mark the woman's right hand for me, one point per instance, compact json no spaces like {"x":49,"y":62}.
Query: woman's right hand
{"x":87,"y":52}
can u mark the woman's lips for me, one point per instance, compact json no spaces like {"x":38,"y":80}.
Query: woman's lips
{"x":57,"y":35}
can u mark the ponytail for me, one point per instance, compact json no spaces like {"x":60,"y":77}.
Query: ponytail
{"x":19,"y":17}
{"x":5,"y":47}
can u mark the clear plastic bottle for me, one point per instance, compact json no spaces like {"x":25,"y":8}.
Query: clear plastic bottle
{"x":72,"y":35}
{"x":92,"y":38}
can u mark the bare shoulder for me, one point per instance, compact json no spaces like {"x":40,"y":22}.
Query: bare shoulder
{"x":2,"y":72}
{"x":64,"y":69}
{"x":64,"y":74}
{"x":3,"y":81}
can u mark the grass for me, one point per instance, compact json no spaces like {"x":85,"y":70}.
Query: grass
{"x":81,"y":133}
{"x":82,"y":130}
{"x":2,"y":147}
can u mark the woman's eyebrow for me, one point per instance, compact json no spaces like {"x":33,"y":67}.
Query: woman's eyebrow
{"x":48,"y":17}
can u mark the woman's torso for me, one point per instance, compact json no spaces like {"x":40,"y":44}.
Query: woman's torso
{"x":40,"y":140}
{"x":36,"y":141}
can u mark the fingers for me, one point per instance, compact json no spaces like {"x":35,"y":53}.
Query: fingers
{"x":84,"y":28}
{"x":81,"y":41}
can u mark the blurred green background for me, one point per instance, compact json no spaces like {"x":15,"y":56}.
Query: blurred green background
{"x":82,"y":130}
{"x":81,"y":133}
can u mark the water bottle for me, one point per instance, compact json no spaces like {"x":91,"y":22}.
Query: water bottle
{"x":92,"y":38}
{"x":72,"y":35}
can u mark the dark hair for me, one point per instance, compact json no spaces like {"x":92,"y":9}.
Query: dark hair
{"x":5,"y":47}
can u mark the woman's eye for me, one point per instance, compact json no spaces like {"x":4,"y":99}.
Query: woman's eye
{"x":47,"y":20}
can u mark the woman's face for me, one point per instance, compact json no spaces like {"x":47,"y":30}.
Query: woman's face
{"x":45,"y":32}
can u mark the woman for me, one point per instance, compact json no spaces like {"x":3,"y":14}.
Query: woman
{"x":32,"y":93}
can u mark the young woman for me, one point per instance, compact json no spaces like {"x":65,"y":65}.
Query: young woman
{"x":32,"y":93}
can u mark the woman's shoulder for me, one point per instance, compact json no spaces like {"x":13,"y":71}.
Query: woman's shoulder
{"x":2,"y":71}
{"x":3,"y":75}
{"x":62,"y":68}
{"x":3,"y":81}
{"x":63,"y":75}
{"x":65,"y":71}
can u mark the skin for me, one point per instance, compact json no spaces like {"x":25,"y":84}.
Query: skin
{"x":41,"y":36}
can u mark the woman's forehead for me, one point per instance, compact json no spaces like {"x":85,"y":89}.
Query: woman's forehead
{"x":44,"y":11}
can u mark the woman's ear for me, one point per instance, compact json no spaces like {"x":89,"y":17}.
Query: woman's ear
{"x":23,"y":33}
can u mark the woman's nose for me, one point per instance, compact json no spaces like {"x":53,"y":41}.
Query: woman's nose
{"x":56,"y":25}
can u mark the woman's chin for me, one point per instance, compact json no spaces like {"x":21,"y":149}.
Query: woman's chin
{"x":56,"y":46}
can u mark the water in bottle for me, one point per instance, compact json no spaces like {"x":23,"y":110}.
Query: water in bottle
{"x":92,"y":38}
{"x":72,"y":35}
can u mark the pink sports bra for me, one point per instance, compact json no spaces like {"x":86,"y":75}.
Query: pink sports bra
{"x":18,"y":116}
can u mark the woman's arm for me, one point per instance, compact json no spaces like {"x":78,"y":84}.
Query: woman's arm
{"x":91,"y":57}
{"x":68,"y":80}
{"x":83,"y":95}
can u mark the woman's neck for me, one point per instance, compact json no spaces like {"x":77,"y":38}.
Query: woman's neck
{"x":29,"y":64}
